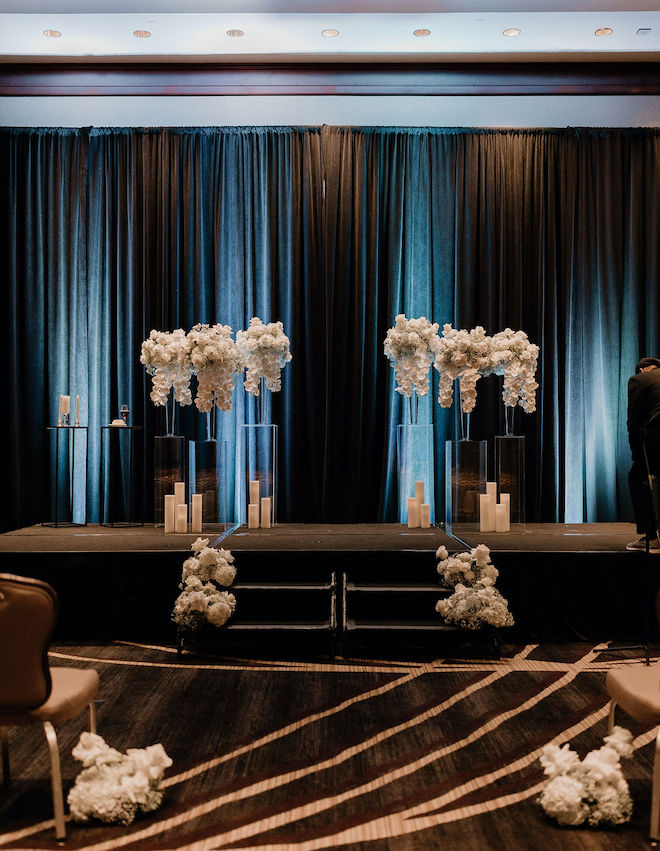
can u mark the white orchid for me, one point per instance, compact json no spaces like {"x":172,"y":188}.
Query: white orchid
{"x":411,"y":346}
{"x":265,"y":351}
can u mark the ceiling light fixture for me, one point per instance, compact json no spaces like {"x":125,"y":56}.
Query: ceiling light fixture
{"x":53,"y":33}
{"x":604,"y":31}
{"x":511,"y":32}
{"x":141,"y":33}
{"x":422,"y":33}
{"x":235,"y":33}
{"x":330,"y":33}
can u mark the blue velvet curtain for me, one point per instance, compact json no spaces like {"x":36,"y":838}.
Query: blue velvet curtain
{"x":109,"y":233}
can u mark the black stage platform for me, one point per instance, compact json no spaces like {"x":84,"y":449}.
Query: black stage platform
{"x":562,"y":580}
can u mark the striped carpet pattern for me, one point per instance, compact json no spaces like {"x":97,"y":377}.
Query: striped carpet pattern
{"x":344,"y":754}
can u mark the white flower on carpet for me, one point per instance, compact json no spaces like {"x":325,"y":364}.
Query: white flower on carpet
{"x":411,"y":346}
{"x":200,"y":600}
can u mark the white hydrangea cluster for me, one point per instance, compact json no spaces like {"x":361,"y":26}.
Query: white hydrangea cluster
{"x":265,"y":351}
{"x":516,"y":359}
{"x":475,"y":602}
{"x":464,"y":355}
{"x":200,"y":601}
{"x":112,"y":786}
{"x":166,"y":357}
{"x":411,"y":346}
{"x":592,"y":790}
{"x":215,"y":360}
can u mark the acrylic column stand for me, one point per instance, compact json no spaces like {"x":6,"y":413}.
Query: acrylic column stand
{"x":465,"y":479}
{"x":68,"y":485}
{"x":169,"y":467}
{"x":207,"y":465}
{"x":510,"y":467}
{"x":414,"y":445}
{"x":118,"y":503}
{"x":260,"y":454}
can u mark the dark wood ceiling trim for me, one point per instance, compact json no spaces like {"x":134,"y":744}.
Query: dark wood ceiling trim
{"x":92,"y":79}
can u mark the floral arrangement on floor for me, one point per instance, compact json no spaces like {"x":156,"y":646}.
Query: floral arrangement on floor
{"x":411,"y":347}
{"x":200,"y":600}
{"x":476,"y":602}
{"x":215,"y":359}
{"x":166,"y":357}
{"x":514,"y":357}
{"x":461,"y":355}
{"x":112,"y":786}
{"x":265,"y":351}
{"x":591,"y":790}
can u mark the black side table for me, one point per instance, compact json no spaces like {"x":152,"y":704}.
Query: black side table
{"x":119,"y":504}
{"x":67,"y":486}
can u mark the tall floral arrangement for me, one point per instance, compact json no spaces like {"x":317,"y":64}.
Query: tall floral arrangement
{"x":112,"y":786}
{"x":514,"y":357}
{"x":166,"y":357}
{"x":215,"y":360}
{"x":200,"y":600}
{"x":475,"y":602}
{"x":411,"y":346}
{"x":591,"y":790}
{"x":265,"y":351}
{"x":461,"y":355}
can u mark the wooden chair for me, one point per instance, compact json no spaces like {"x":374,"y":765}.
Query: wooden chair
{"x":637,"y":691}
{"x":31,"y":692}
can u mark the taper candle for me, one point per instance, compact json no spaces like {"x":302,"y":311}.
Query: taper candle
{"x":170,"y":513}
{"x":77,"y":409}
{"x":196,"y":524}
{"x":182,"y":518}
{"x":265,"y":512}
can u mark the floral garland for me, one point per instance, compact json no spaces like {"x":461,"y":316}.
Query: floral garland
{"x":475,"y":602}
{"x":112,"y":786}
{"x":166,"y":357}
{"x":464,"y":355}
{"x":200,"y":601}
{"x":516,"y":359}
{"x":265,"y":351}
{"x":592,"y":790}
{"x":411,"y":346}
{"x":215,"y":359}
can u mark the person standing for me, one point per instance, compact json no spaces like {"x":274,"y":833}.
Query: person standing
{"x":644,"y":427}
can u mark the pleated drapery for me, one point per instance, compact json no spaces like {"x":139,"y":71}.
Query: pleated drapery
{"x":108,"y":233}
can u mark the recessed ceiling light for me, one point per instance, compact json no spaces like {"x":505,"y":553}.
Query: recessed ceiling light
{"x":422,"y":33}
{"x":53,"y":33}
{"x":235,"y":33}
{"x":511,"y":32}
{"x":604,"y":31}
{"x":141,"y":33}
{"x":330,"y":33}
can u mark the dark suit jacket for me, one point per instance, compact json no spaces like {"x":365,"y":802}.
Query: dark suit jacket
{"x":643,"y":406}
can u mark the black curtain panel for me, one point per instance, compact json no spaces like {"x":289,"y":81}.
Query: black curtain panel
{"x":108,"y":233}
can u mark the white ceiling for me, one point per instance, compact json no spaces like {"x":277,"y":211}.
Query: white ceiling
{"x":461,"y":30}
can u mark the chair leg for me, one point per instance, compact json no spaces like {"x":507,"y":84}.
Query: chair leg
{"x":654,"y":831}
{"x":610,"y":717}
{"x":56,"y":781}
{"x":92,"y":717}
{"x":4,"y":746}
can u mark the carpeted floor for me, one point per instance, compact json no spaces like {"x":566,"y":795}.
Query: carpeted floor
{"x":345,"y":754}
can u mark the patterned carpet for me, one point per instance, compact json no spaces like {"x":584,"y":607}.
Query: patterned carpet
{"x":346,"y":754}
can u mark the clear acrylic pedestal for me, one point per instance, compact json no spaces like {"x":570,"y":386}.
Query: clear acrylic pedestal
{"x":208,"y":468}
{"x":465,"y":479}
{"x":68,"y":475}
{"x":510,"y":472}
{"x":260,"y":459}
{"x":120,"y":495}
{"x":169,"y":468}
{"x":414,"y":446}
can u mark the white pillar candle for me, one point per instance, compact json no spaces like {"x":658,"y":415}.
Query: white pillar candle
{"x":419,"y":492}
{"x":505,"y":499}
{"x":413,"y":513}
{"x":170,"y":513}
{"x":500,"y":517}
{"x":180,"y":493}
{"x":484,"y":501}
{"x":196,"y":523}
{"x":492,"y":503}
{"x":265,"y":512}
{"x":425,"y":515}
{"x":182,"y":518}
{"x":254,"y":493}
{"x":491,"y":490}
{"x":253,"y":516}
{"x":66,"y":404}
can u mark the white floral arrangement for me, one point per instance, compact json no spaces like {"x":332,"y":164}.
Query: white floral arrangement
{"x":464,"y":355}
{"x":200,"y":601}
{"x":265,"y":351}
{"x":411,"y":346}
{"x":592,"y":790}
{"x":215,"y":360}
{"x":476,"y":602}
{"x":166,"y":357}
{"x":112,"y":786}
{"x":514,"y":357}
